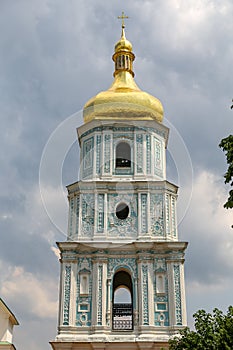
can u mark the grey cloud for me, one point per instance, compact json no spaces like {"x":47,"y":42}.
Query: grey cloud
{"x":21,"y":248}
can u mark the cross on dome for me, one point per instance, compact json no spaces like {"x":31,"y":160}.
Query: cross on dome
{"x":123,"y":17}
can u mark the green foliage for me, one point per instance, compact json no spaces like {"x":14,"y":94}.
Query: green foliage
{"x":212,"y":332}
{"x":227,"y":146}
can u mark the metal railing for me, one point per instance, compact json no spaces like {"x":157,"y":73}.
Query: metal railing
{"x":122,"y":317}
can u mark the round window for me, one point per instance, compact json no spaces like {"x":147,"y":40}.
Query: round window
{"x":122,"y":211}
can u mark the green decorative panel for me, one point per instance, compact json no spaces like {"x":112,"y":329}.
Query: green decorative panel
{"x":77,"y":214}
{"x":145,"y":313}
{"x":161,"y":301}
{"x":127,"y":227}
{"x":161,"y":319}
{"x":127,"y":134}
{"x":177,"y":289}
{"x":84,"y":303}
{"x":167,"y":208}
{"x":98,"y":153}
{"x":161,"y":306}
{"x":107,"y":153}
{"x":100,"y":291}
{"x":90,"y":131}
{"x":160,"y":265}
{"x":158,"y":157}
{"x":173,"y":216}
{"x":123,"y":129}
{"x":157,"y":214}
{"x":66,"y":306}
{"x":88,"y":213}
{"x":139,"y":159}
{"x":71,"y":218}
{"x":124,"y":171}
{"x":128,"y":263}
{"x":100,"y":213}
{"x":148,"y":154}
{"x":144,"y":214}
{"x":87,"y":161}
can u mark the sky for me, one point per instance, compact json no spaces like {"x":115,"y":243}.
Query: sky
{"x":54,"y":56}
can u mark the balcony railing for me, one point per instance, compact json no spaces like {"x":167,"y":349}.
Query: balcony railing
{"x":122,"y":317}
{"x":123,"y":163}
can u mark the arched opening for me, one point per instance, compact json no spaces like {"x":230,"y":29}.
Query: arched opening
{"x":123,"y":155}
{"x":122,"y":311}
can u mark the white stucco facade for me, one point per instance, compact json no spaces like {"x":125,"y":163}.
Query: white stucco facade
{"x":7,"y":323}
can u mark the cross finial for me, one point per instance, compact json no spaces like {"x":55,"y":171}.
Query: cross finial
{"x":122,"y":17}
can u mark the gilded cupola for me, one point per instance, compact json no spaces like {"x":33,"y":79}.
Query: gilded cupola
{"x":123,"y":100}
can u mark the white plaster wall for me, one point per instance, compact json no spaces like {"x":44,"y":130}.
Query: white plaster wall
{"x":5,"y":327}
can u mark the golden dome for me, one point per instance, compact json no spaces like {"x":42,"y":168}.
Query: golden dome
{"x":123,"y":43}
{"x":123,"y":100}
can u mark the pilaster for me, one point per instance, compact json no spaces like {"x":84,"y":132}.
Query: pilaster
{"x":171,"y":294}
{"x":73,"y":293}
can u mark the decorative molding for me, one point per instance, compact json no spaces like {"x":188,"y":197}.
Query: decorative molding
{"x":145,"y":316}
{"x":144,"y":215}
{"x":167,"y":211}
{"x":84,"y":267}
{"x":176,"y":269}
{"x":100,"y":213}
{"x":139,"y":154}
{"x":66,"y":307}
{"x":173,"y":216}
{"x":98,"y":154}
{"x":115,"y":264}
{"x":134,"y":128}
{"x":107,"y":154}
{"x":99,"y":299}
{"x":77,"y":215}
{"x":148,"y":154}
{"x":157,"y":214}
{"x":127,"y":227}
{"x":87,"y":159}
{"x":71,"y":217}
{"x":88,"y":212}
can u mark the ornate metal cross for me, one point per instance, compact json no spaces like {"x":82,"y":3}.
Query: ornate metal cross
{"x":122,"y":17}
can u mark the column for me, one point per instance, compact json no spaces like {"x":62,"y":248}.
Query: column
{"x":94,"y":294}
{"x":171,"y":296}
{"x":183,"y":299}
{"x":73,"y":294}
{"x":108,"y":302}
{"x":151,"y":306}
{"x":143,"y":294}
{"x":136,"y":314}
{"x":99,"y":293}
{"x":66,"y":278}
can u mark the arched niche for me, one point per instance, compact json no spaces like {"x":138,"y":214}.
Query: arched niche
{"x":123,"y":155}
{"x":122,"y":306}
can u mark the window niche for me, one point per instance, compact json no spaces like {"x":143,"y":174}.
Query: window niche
{"x":123,"y":155}
{"x":160,"y":283}
{"x":122,"y":307}
{"x":84,"y":282}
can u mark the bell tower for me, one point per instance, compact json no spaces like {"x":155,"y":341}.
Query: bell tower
{"x":122,"y":266}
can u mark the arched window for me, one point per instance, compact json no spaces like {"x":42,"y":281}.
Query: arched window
{"x":122,"y":315}
{"x":123,"y":155}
